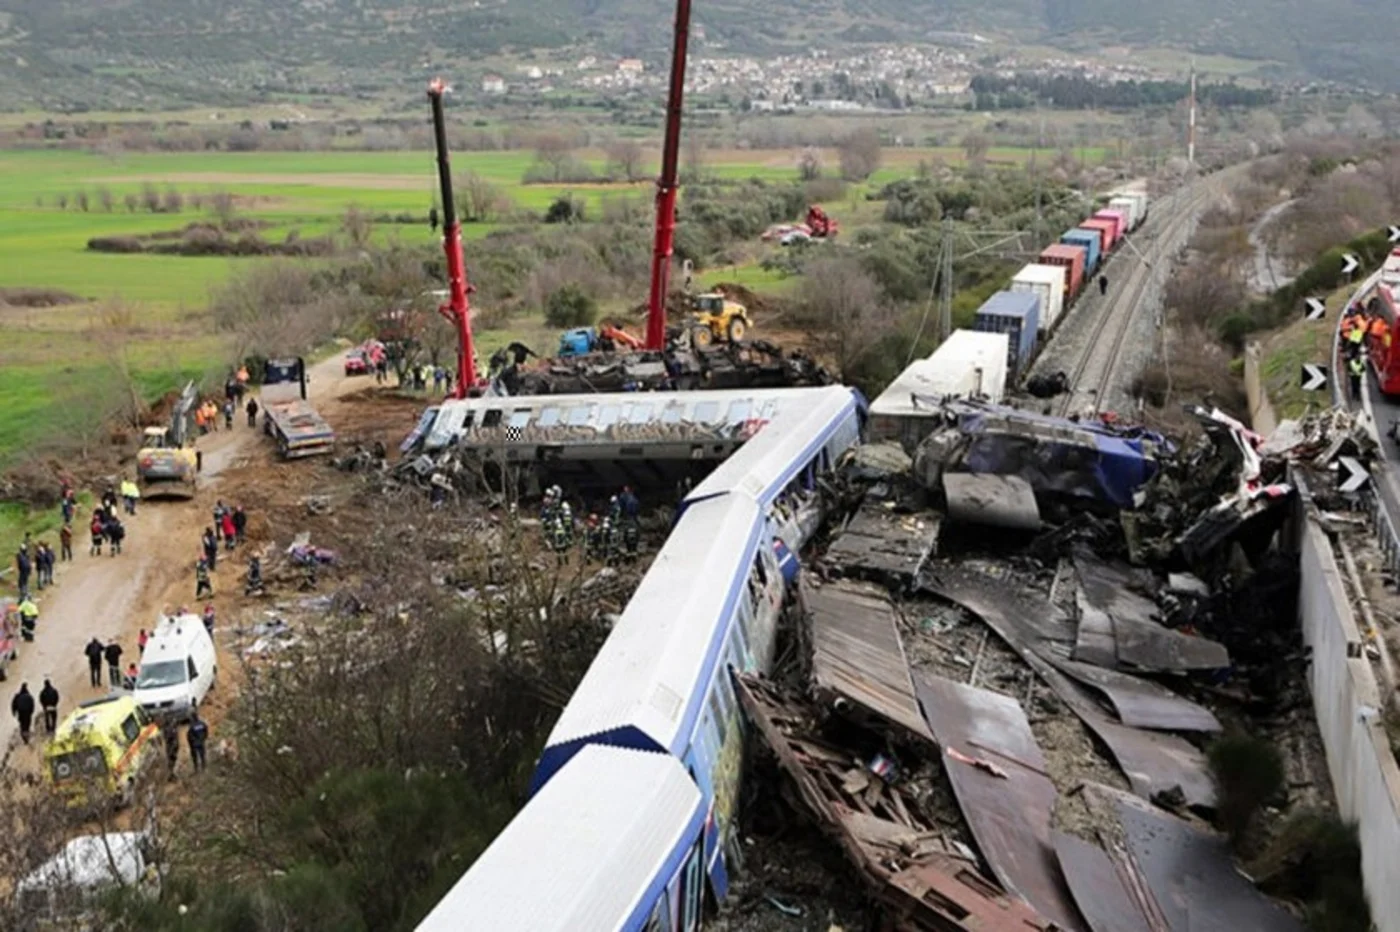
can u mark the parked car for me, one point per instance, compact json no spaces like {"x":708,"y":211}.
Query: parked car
{"x":356,"y":362}
{"x":64,"y":891}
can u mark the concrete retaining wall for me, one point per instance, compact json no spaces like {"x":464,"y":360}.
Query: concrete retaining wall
{"x":1346,"y":700}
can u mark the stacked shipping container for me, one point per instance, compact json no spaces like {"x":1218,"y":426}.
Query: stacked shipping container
{"x":1016,"y":314}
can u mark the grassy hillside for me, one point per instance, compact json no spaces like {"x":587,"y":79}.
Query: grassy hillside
{"x":85,"y":54}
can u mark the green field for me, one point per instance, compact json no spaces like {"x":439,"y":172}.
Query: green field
{"x":50,"y":353}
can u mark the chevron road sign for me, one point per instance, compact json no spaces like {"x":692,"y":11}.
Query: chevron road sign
{"x":1314,"y":377}
{"x":1356,"y":475}
{"x":1315,"y":309}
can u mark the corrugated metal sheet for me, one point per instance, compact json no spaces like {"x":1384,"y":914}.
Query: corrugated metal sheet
{"x":857,"y":653}
{"x":998,"y":775}
{"x":878,"y":541}
{"x":648,"y":667}
{"x":580,"y":856}
{"x":769,"y":460}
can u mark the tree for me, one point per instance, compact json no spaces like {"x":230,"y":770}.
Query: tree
{"x":564,"y":209}
{"x":809,"y":164}
{"x":693,"y":160}
{"x":150,"y":198}
{"x":975,"y":146}
{"x":222,"y":204}
{"x":172,"y":202}
{"x":625,"y":159}
{"x":841,"y":306}
{"x":357,"y":226}
{"x":104,"y":197}
{"x":554,"y":152}
{"x":81,"y":200}
{"x":569,"y":306}
{"x":131,"y":201}
{"x":860,"y":154}
{"x":478,"y":200}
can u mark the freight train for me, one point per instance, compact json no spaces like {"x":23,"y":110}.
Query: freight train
{"x":631,"y":821}
{"x":1042,"y":291}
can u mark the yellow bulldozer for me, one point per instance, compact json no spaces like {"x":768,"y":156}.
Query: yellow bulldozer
{"x":716,"y":319}
{"x":166,"y":465}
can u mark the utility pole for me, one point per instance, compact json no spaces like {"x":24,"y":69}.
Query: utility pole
{"x":1191,"y":120}
{"x":945,"y":285}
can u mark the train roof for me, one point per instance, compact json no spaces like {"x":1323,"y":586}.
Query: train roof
{"x":778,"y":452}
{"x":640,"y":691}
{"x":588,"y":852}
{"x":719,"y":408}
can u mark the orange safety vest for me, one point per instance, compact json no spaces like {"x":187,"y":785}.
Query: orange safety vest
{"x":1378,"y":327}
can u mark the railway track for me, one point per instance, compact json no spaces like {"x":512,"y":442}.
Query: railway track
{"x":1095,"y":369}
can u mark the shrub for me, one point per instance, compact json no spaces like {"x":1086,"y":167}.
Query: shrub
{"x":564,"y":210}
{"x":568,"y":306}
{"x":1248,"y":773}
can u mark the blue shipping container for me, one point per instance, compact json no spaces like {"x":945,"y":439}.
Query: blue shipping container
{"x":1016,"y":314}
{"x":1090,"y":240}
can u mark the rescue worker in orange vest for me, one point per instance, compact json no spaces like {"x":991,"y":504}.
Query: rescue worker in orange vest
{"x":1377,"y":331}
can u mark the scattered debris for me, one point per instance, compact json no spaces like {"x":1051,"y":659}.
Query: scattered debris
{"x":998,"y":501}
{"x":881,"y":542}
{"x":923,"y":881}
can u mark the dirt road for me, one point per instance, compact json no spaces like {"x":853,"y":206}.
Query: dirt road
{"x":115,"y":596}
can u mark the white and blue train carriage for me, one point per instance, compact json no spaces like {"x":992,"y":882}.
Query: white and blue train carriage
{"x":612,"y":843}
{"x":661,"y":682}
{"x":661,"y":688}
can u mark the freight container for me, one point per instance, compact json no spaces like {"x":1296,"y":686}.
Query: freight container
{"x":1090,"y":240}
{"x":1016,"y":314}
{"x":1105,"y":229}
{"x":1131,"y":206}
{"x":1138,"y":195}
{"x":1047,"y":282}
{"x":1071,"y":259}
{"x":967,"y":364}
{"x":1118,"y":218}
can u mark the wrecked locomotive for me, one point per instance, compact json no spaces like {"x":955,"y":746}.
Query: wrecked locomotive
{"x":634,"y":803}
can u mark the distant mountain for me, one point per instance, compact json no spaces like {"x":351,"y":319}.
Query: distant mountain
{"x":151,"y":53}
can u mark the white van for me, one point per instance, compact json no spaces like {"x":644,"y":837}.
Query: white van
{"x":177,"y":669}
{"x":69,"y":885}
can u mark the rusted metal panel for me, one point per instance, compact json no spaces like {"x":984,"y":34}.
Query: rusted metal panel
{"x":1153,"y":762}
{"x":1139,"y":639}
{"x":1190,"y":872}
{"x":857,"y":653}
{"x":1139,"y":702}
{"x":998,"y":774}
{"x":880,"y":541}
{"x":922,"y":886}
{"x":1094,"y":879}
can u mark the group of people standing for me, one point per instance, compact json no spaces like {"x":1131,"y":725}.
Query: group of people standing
{"x":1360,"y":333}
{"x":22,"y":708}
{"x":229,"y":527}
{"x":106,"y":525}
{"x":607,"y":537}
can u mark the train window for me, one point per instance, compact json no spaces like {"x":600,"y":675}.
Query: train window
{"x":672,"y":414}
{"x":520,"y":417}
{"x":491,"y":418}
{"x":738,"y":411}
{"x":467,"y":421}
{"x":706,"y":412}
{"x":639,"y":414}
{"x":548,"y":417}
{"x":609,"y":415}
{"x":726,"y":691}
{"x":691,"y":892}
{"x":660,"y":920}
{"x":717,"y":712}
{"x":759,"y":569}
{"x":579,"y":415}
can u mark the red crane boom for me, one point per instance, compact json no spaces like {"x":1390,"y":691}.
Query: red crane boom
{"x":666,"y":187}
{"x":457,"y":309}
